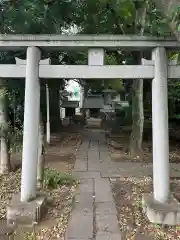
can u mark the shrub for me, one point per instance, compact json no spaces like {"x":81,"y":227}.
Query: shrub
{"x":54,"y":179}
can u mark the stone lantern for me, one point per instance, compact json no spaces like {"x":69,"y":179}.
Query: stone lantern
{"x":108,"y":96}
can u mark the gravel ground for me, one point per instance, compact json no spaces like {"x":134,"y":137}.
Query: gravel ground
{"x":60,"y":200}
{"x":55,"y":221}
{"x":132,"y":221}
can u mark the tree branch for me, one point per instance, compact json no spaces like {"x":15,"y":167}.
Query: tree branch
{"x":169,"y":9}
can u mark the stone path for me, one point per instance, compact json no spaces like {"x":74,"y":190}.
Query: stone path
{"x":94,"y":215}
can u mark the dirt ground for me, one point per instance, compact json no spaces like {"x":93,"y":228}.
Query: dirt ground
{"x":132,"y":221}
{"x":119,"y":149}
{"x":61,"y":152}
{"x":60,"y":156}
{"x":128,"y":192}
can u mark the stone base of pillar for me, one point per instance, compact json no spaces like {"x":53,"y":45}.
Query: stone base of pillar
{"x":26,"y":214}
{"x":158,"y":213}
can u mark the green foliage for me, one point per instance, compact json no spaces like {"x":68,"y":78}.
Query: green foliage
{"x":16,"y":137}
{"x":118,"y":17}
{"x":31,"y":16}
{"x":174,"y":15}
{"x":55,"y":179}
{"x":177,"y":116}
{"x":89,"y":16}
{"x":174,"y":98}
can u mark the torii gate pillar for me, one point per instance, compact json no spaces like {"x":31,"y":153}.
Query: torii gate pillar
{"x":161,"y":207}
{"x":31,"y":125}
{"x":160,"y":126}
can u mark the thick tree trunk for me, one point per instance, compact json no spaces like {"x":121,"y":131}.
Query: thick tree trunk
{"x":170,"y":10}
{"x":5,"y":165}
{"x":41,"y":155}
{"x":54,"y":109}
{"x":138,"y":119}
{"x":136,"y":139}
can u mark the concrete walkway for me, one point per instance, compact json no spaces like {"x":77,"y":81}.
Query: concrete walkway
{"x":94,"y":215}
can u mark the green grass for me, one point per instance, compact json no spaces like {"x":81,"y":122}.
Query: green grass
{"x":54,"y":179}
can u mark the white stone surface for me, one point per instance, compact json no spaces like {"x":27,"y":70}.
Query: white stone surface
{"x":160,"y":127}
{"x":48,"y":132}
{"x":41,"y":62}
{"x":54,"y":42}
{"x":62,"y":113}
{"x":31,"y":126}
{"x":81,"y":96}
{"x":96,"y":56}
{"x":81,"y":71}
{"x":88,"y":72}
{"x":20,"y":61}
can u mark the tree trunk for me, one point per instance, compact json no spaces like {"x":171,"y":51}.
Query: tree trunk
{"x":54,"y":109}
{"x":41,"y":155}
{"x":138,"y":119}
{"x":170,"y":10}
{"x":137,"y":102}
{"x":85,"y":95}
{"x":5,"y":165}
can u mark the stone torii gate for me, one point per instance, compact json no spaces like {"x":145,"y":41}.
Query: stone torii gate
{"x":158,"y":70}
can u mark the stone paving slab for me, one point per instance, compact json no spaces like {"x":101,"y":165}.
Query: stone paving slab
{"x":109,"y":237}
{"x":104,"y":150}
{"x":77,"y":239}
{"x":104,"y":156}
{"x":95,"y":130}
{"x":81,"y":220}
{"x":94,"y":166}
{"x":105,"y":208}
{"x":134,"y":170}
{"x":120,"y":173}
{"x":80,"y":226}
{"x":86,"y":186}
{"x":103,"y":146}
{"x":111,"y":175}
{"x":125,"y":169}
{"x":80,"y":165}
{"x":84,"y":203}
{"x":94,"y":145}
{"x":103,"y":191}
{"x":87,"y":175}
{"x":84,"y":144}
{"x":94,"y":209}
{"x":107,"y":224}
{"x":81,"y":155}
{"x":125,"y":165}
{"x":93,"y":142}
{"x":93,"y":156}
{"x":82,"y":152}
